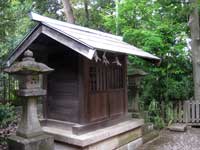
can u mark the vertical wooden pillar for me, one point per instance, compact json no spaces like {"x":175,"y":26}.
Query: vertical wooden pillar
{"x":83,"y":89}
{"x":125,"y":86}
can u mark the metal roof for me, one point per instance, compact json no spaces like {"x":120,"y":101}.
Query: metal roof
{"x":97,"y":40}
{"x":80,"y":39}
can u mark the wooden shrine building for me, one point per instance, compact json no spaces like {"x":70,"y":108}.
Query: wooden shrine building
{"x":88,"y":89}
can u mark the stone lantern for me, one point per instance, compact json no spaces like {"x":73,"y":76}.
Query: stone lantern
{"x":29,"y":135}
{"x":134,"y":78}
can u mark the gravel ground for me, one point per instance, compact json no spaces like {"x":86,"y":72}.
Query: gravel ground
{"x":5,"y":133}
{"x":170,"y":140}
{"x":10,"y":129}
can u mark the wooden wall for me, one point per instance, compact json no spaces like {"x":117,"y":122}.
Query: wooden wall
{"x":106,"y":90}
{"x":81,"y":90}
{"x":62,"y":100}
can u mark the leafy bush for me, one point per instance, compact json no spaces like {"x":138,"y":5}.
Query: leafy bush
{"x":7,"y":115}
{"x":153,"y":114}
{"x":159,"y":122}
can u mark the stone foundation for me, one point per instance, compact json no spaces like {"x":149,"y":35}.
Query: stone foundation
{"x":132,"y":145}
{"x":122,"y":136}
{"x":119,"y":142}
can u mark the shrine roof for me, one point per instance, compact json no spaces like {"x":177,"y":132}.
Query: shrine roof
{"x":83,"y":40}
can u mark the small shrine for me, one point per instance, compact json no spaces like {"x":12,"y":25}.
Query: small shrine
{"x":86,"y":104}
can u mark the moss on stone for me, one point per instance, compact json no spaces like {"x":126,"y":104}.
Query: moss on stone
{"x":130,"y":136}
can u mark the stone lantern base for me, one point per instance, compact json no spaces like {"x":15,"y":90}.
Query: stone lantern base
{"x":136,"y":115}
{"x":42,"y":142}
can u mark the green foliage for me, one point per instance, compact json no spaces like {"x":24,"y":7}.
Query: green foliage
{"x":159,"y":122}
{"x":147,"y":39}
{"x":159,"y":27}
{"x":169,"y":113}
{"x":154,"y":115}
{"x":7,"y":114}
{"x":15,"y":22}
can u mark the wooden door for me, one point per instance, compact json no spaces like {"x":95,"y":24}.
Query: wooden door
{"x":106,"y":94}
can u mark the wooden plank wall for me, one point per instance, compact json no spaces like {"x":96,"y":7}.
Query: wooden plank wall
{"x":63,"y":100}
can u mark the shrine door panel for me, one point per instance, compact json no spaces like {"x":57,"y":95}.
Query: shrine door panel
{"x":116,"y":102}
{"x":98,"y":106}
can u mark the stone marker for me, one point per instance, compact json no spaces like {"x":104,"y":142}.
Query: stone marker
{"x":29,"y":135}
{"x":134,"y":79}
{"x":178,"y":127}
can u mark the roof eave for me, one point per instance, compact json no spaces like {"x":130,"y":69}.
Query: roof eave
{"x":12,"y":52}
{"x":154,"y":59}
{"x":81,"y":48}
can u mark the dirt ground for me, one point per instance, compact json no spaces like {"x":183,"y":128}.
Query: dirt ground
{"x":170,"y":140}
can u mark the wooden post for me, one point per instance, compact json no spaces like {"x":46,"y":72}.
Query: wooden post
{"x":196,"y":112}
{"x":185,"y":112}
{"x":4,"y":89}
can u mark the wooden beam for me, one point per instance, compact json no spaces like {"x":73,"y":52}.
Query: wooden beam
{"x":40,"y":47}
{"x":82,"y":129}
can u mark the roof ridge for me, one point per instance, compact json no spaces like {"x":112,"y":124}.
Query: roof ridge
{"x":40,"y":18}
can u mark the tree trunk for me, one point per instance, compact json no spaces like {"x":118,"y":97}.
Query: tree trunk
{"x":117,"y":16}
{"x":68,"y":11}
{"x":194,"y":28}
{"x":86,"y":13}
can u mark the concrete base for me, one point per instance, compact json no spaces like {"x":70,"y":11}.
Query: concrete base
{"x":149,"y":133}
{"x":43,"y":142}
{"x":132,"y":145}
{"x":150,"y":136}
{"x":108,"y":138}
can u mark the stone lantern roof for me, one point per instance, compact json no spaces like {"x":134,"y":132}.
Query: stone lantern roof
{"x":135,"y":72}
{"x":28,"y":65}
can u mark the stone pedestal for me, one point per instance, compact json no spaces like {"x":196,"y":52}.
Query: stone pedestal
{"x":134,"y":90}
{"x":42,"y":142}
{"x":29,"y":125}
{"x":136,"y":115}
{"x":29,"y":135}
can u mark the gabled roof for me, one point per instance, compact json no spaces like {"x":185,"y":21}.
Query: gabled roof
{"x":81,"y":39}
